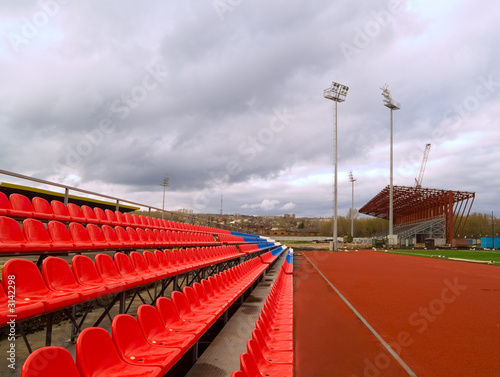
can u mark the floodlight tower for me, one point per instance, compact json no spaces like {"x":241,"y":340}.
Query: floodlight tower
{"x":165,"y":184}
{"x":336,"y":93}
{"x":352,"y":180}
{"x":392,"y":105}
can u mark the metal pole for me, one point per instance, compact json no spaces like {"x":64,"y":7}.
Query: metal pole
{"x":391,"y":189}
{"x":335,"y":246}
{"x":352,"y":210}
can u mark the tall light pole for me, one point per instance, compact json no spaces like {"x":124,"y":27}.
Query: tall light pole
{"x":336,"y":93}
{"x":392,"y":105}
{"x":165,"y":184}
{"x":352,"y":180}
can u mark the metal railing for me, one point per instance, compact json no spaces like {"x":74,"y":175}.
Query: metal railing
{"x":67,"y":190}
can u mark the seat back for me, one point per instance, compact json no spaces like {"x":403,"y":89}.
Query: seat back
{"x":181,"y":303}
{"x":60,"y":210}
{"x":238,"y":373}
{"x":29,"y":281}
{"x":79,"y":233}
{"x":96,"y":236}
{"x":124,"y":265}
{"x":122,"y":235}
{"x":95,"y":352}
{"x":139,"y":262}
{"x":57,"y":274}
{"x":89,"y":214}
{"x":192,"y":297}
{"x":111,"y":216}
{"x":42,"y":208}
{"x":35,"y":231}
{"x":59,"y":233}
{"x":101,"y":216}
{"x":21,"y":203}
{"x":167,"y":311}
{"x":149,"y":321}
{"x":50,"y":361}
{"x":85,"y":271}
{"x":106,"y":267}
{"x":11,"y":232}
{"x":75,"y":212}
{"x":5,"y":207}
{"x":151,"y":260}
{"x":109,"y":234}
{"x":249,"y":365}
{"x":126,"y":334}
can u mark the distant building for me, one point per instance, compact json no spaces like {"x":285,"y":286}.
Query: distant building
{"x":185,"y":211}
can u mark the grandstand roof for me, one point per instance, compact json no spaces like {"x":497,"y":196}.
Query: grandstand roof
{"x":31,"y":192}
{"x":410,"y":200}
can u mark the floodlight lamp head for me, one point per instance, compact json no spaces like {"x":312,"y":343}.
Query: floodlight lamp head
{"x":388,"y":101}
{"x":337,"y":92}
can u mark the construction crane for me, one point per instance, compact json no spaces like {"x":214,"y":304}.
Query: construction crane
{"x":418,"y":180}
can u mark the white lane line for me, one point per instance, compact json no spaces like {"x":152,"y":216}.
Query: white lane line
{"x":365,"y":322}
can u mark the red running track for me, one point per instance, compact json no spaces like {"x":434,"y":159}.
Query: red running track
{"x":441,"y":317}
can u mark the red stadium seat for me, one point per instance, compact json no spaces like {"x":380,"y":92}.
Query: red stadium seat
{"x":186,"y":313}
{"x":58,"y":277}
{"x":61,"y":212}
{"x":171,"y":320}
{"x":269,"y":350}
{"x":31,"y":287}
{"x":134,"y":349}
{"x":76,"y":213}
{"x":96,"y":356}
{"x":101,"y":216}
{"x":50,"y":361}
{"x":89,"y":215}
{"x":21,"y":206}
{"x":86,"y":274}
{"x":5,"y":207}
{"x":42,"y":209}
{"x":156,"y":333}
{"x":265,"y":367}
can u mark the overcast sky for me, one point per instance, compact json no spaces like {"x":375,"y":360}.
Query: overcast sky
{"x":226,"y":97}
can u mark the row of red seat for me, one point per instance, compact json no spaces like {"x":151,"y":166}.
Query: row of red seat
{"x":270,"y":351}
{"x":151,"y":344}
{"x":59,"y":285}
{"x":36,"y":237}
{"x":19,"y":206}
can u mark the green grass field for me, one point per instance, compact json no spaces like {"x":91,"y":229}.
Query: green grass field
{"x":479,"y":255}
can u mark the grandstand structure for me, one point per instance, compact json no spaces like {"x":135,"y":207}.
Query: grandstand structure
{"x":142,"y":295}
{"x":421,"y":213}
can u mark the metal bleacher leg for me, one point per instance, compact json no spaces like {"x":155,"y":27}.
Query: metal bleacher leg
{"x":48,"y":335}
{"x":122,"y":302}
